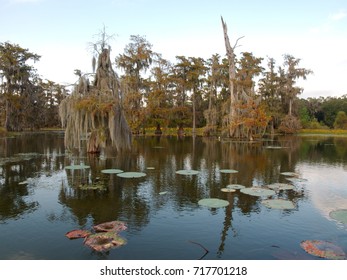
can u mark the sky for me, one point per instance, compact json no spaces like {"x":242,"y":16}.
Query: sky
{"x":61,"y":31}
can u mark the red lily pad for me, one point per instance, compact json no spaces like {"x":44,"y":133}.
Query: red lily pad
{"x":104,"y":241}
{"x":77,"y":233}
{"x":113,"y":226}
{"x":323,"y":249}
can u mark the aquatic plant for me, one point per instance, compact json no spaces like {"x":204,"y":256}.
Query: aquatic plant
{"x":257,"y":191}
{"x":187,"y":172}
{"x":235,"y":186}
{"x":280,"y":186}
{"x":228,"y":171}
{"x":104,"y":241}
{"x":131,"y":174}
{"x":77,"y":233}
{"x":77,"y":167}
{"x":278,"y":204}
{"x":213,"y":202}
{"x":115,"y":226}
{"x":323,"y":249}
{"x":111,"y":171}
{"x":228,"y":190}
{"x":339,"y":215}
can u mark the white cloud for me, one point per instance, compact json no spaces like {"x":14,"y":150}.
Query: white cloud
{"x":338,"y":16}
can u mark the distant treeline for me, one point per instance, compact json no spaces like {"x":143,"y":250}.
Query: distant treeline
{"x":189,"y":92}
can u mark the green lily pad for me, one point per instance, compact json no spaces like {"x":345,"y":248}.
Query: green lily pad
{"x":228,"y":190}
{"x":187,"y":172}
{"x":150,"y":168}
{"x":280,"y":186}
{"x":112,"y":171}
{"x":77,"y":167}
{"x":296,"y":180}
{"x":278,"y":204}
{"x":323,"y":249}
{"x":230,"y":171}
{"x":213,"y":202}
{"x":257,"y":191}
{"x":162,"y":193}
{"x":339,"y":215}
{"x":131,"y":174}
{"x":235,"y":186}
{"x":291,"y":174}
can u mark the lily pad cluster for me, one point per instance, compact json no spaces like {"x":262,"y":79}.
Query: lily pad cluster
{"x":103,"y":237}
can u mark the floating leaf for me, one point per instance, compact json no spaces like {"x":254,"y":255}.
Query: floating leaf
{"x":77,"y":233}
{"x":104,"y":241}
{"x":296,"y":180}
{"x":115,"y":226}
{"x":291,"y":174}
{"x":23,"y":183}
{"x":162,"y":193}
{"x":278,"y":204}
{"x":111,"y":171}
{"x":77,"y":167}
{"x":228,"y":190}
{"x":230,"y":171}
{"x":235,"y":186}
{"x":339,"y":215}
{"x":150,"y":168}
{"x":94,"y":186}
{"x":280,"y":186}
{"x":131,"y":174}
{"x":323,"y":249}
{"x":256,"y":191}
{"x":273,"y":147}
{"x":213,"y":202}
{"x":187,"y":172}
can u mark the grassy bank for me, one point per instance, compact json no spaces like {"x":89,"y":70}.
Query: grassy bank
{"x":324,"y":131}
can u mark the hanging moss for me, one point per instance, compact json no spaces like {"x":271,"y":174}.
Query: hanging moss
{"x":94,"y":111}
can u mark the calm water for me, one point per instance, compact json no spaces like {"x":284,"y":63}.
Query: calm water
{"x":40,"y":201}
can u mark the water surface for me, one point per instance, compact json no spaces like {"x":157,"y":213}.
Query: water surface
{"x":40,"y":201}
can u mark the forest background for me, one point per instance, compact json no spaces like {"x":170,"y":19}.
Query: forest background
{"x":167,"y":91}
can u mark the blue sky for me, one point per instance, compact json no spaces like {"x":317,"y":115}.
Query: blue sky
{"x":59,"y":31}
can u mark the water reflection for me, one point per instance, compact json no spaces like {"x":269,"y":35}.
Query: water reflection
{"x":153,"y":205}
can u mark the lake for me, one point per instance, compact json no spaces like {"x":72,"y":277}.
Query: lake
{"x":41,"y":200}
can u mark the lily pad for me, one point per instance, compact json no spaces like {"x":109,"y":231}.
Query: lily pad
{"x":114,"y":226}
{"x":280,"y":186}
{"x":257,"y":191}
{"x":323,"y":249}
{"x":111,"y":171}
{"x":228,"y":190}
{"x":230,"y":171}
{"x":150,"y":168}
{"x":296,"y":180}
{"x":187,"y":172}
{"x":104,"y":241}
{"x":131,"y":174}
{"x":278,"y":204}
{"x":162,"y":193}
{"x":235,"y":186}
{"x":291,"y":174}
{"x":213,"y":202}
{"x":77,"y":167}
{"x":77,"y":233}
{"x":339,"y":215}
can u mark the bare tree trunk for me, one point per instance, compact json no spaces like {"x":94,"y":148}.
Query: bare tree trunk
{"x":232,"y":76}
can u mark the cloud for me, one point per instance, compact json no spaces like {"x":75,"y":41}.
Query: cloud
{"x":338,"y":16}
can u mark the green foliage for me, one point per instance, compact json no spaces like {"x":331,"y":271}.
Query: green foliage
{"x":340,"y":120}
